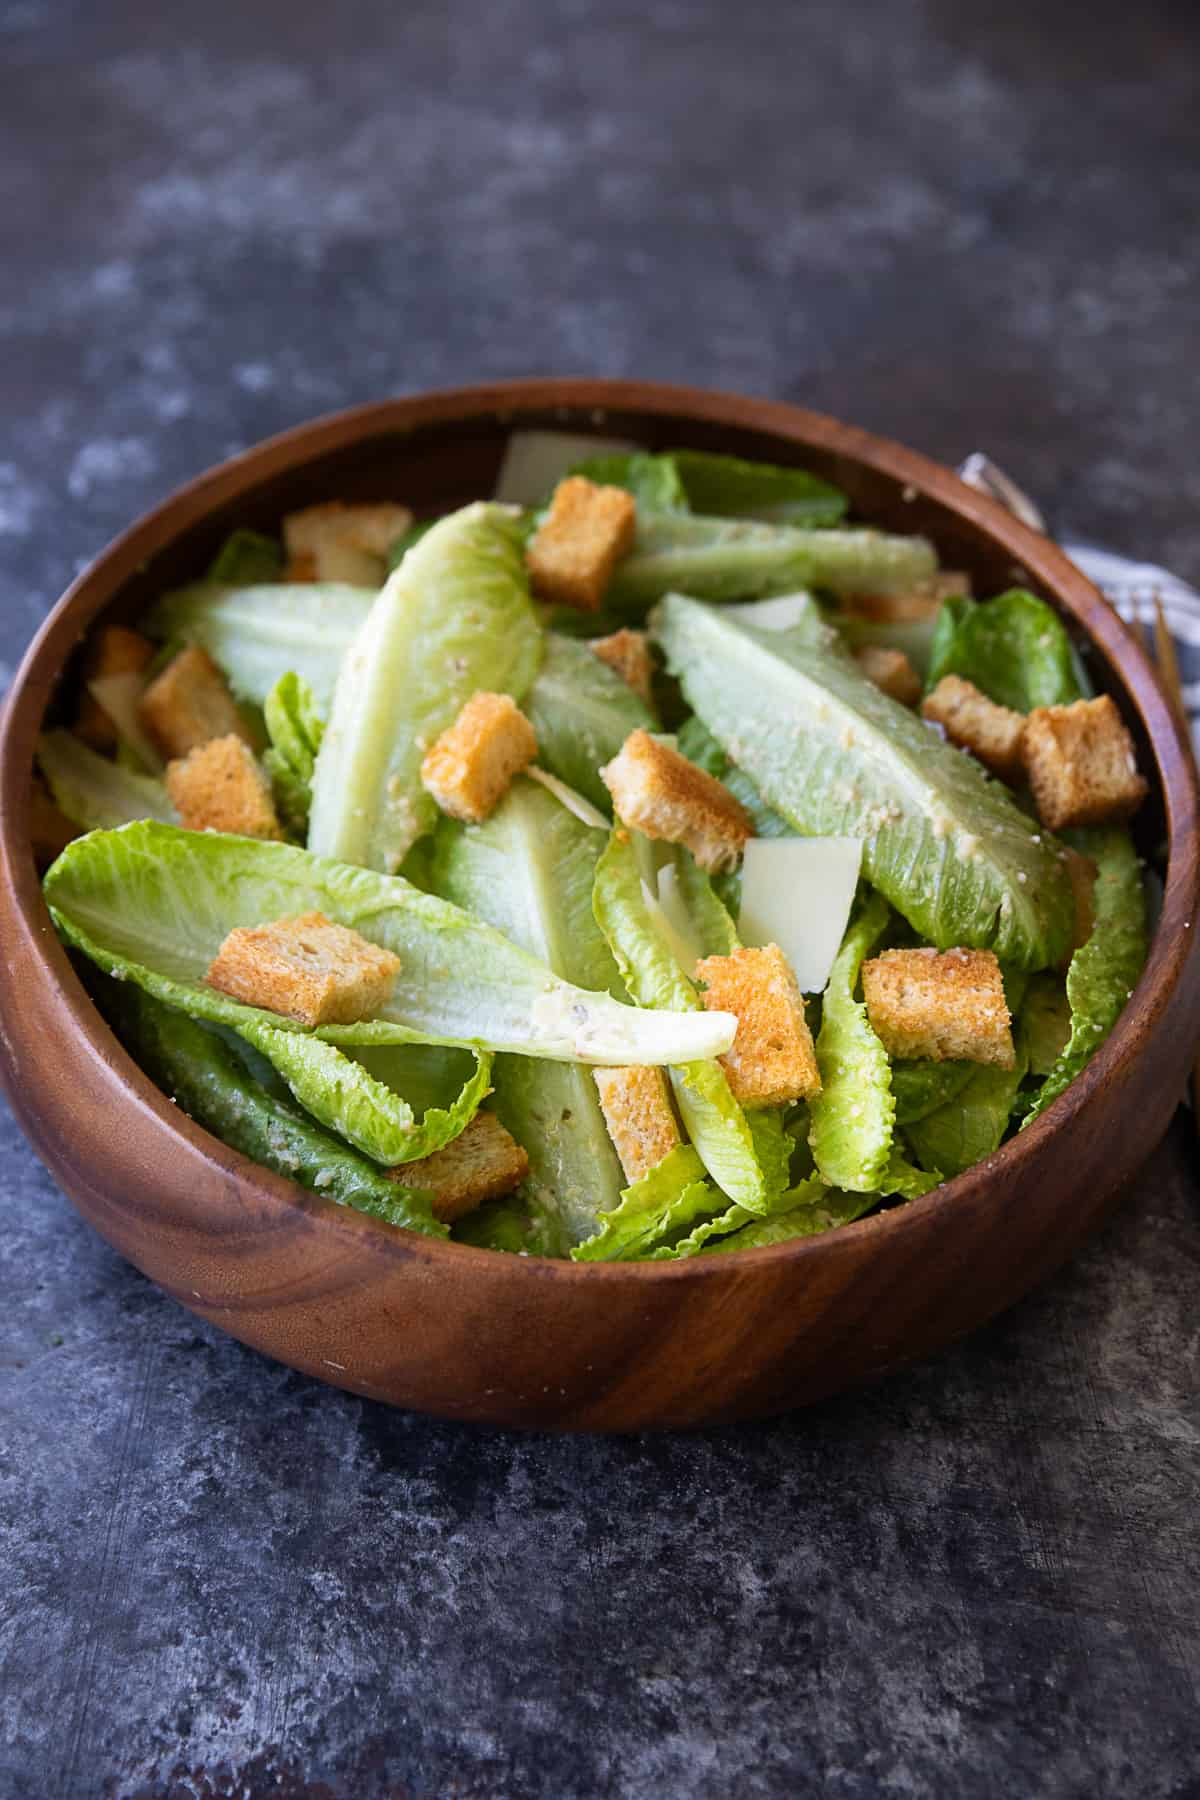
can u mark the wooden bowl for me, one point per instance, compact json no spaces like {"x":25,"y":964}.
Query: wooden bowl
{"x":517,"y":1340}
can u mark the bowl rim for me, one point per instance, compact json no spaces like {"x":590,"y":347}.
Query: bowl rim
{"x":504,"y":403}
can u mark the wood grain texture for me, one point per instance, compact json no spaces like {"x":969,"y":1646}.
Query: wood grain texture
{"x":478,"y":1335}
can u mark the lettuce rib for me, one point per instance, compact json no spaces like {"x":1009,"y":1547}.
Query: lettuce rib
{"x":94,"y":792}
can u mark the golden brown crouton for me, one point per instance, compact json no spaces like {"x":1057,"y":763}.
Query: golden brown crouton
{"x":219,"y":786}
{"x":920,"y":602}
{"x":947,"y":1005}
{"x":1081,"y":764}
{"x":627,"y":653}
{"x":1081,"y":873}
{"x":661,"y":794}
{"x":50,"y":830}
{"x":481,"y":1163}
{"x":189,"y":703}
{"x":113,"y":650}
{"x":471,"y":765}
{"x":891,"y":671}
{"x":637,"y":1111}
{"x":305,"y":968}
{"x":577,"y":547}
{"x":336,"y":542}
{"x":772,"y":1060}
{"x":973,"y":722}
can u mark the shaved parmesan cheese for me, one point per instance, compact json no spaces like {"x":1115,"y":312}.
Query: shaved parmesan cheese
{"x":779,"y":613}
{"x":536,"y":461}
{"x":797,"y":893}
{"x":119,"y":696}
{"x":675,"y":917}
{"x":572,"y":799}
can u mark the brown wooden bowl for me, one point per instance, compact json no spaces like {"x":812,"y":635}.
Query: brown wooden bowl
{"x":509,"y":1340}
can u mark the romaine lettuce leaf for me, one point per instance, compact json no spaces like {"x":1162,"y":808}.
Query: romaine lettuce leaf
{"x":154,"y":903}
{"x":198,"y":1069}
{"x":247,"y":557}
{"x":94,"y":792}
{"x":1046,"y":1017}
{"x":259,"y":633}
{"x":945,"y":844}
{"x":714,"y":1121}
{"x":697,"y":743}
{"x":960,"y":1133}
{"x":652,"y":480}
{"x":734,"y":488}
{"x":582,"y":713}
{"x":454,"y":617}
{"x":516,"y":1223}
{"x":729,"y":559}
{"x":404,"y":543}
{"x":1014,"y":648}
{"x":295,"y":729}
{"x":668,"y":1196}
{"x":853,"y":1117}
{"x":529,"y":871}
{"x":824,"y":1212}
{"x":1105,"y":970}
{"x":919,"y":1088}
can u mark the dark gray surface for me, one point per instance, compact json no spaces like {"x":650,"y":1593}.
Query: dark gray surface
{"x":960,"y":223}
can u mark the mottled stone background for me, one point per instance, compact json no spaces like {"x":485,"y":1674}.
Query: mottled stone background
{"x":962,"y":223}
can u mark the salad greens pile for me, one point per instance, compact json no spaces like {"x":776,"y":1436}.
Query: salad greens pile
{"x":550,"y":939}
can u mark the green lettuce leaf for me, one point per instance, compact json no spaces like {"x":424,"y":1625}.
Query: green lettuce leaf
{"x":853,"y":1117}
{"x":154,"y":903}
{"x":698,"y":744}
{"x":529,"y":871}
{"x":247,"y":557}
{"x":295,"y":729}
{"x":1104,"y":971}
{"x":454,"y":617}
{"x":198,"y":1069}
{"x":945,"y":844}
{"x":1014,"y":648}
{"x":714,"y":1121}
{"x":1046,"y":1017}
{"x":915,"y":637}
{"x":96,"y":793}
{"x":919,"y":1088}
{"x":729,"y":559}
{"x":667,"y":1196}
{"x":404,"y":543}
{"x":734,"y":488}
{"x":260,"y":633}
{"x":652,"y":480}
{"x":825,"y":1212}
{"x":961,"y":1133}
{"x":582,"y":713}
{"x":517,"y":1223}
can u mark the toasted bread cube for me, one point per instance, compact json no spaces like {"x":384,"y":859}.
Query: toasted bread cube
{"x":189,"y":703}
{"x":921,"y":602}
{"x":50,"y":830}
{"x":471,"y":766}
{"x":627,"y":653}
{"x":946,"y":1005}
{"x":637,"y":1110}
{"x":113,"y":650}
{"x":772,"y":1061}
{"x":661,"y":794}
{"x":579,"y":543}
{"x":305,"y":968}
{"x":336,"y":542}
{"x":891,"y":672}
{"x":973,"y":722}
{"x":1081,"y":764}
{"x":481,"y":1163}
{"x":219,"y":786}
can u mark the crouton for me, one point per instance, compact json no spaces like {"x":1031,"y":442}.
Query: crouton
{"x":661,"y":794}
{"x":772,"y":1061}
{"x":891,"y":672}
{"x":627,"y":653}
{"x":973,"y":722}
{"x":189,"y":703}
{"x":1081,"y":764}
{"x":305,"y":968}
{"x":920,"y":602}
{"x":481,"y":1163}
{"x":944,"y":1005}
{"x":336,"y":542}
{"x":1081,"y":873}
{"x":113,"y":650}
{"x":219,"y":786}
{"x":470,"y":767}
{"x":637,"y":1111}
{"x":50,"y":830}
{"x":587,"y":530}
